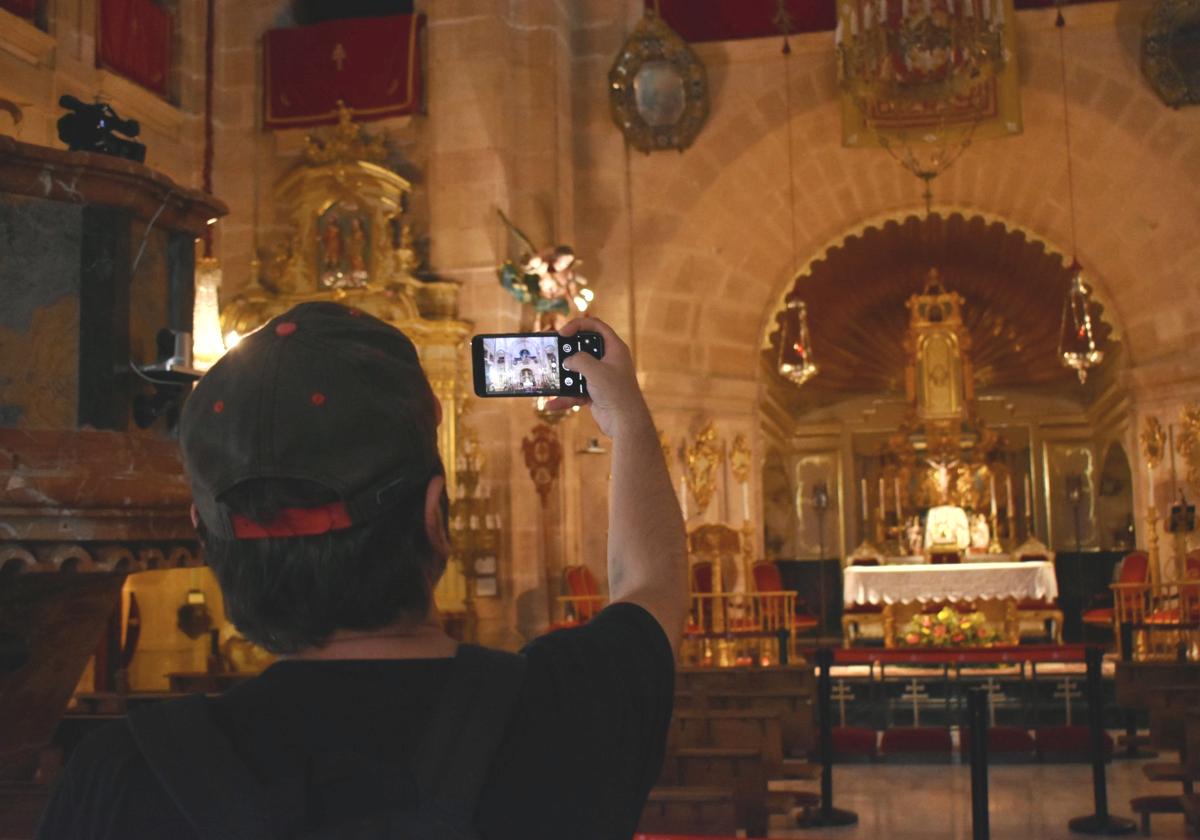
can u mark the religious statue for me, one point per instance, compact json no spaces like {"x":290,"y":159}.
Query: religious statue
{"x":357,"y":250}
{"x":914,"y":536}
{"x":331,"y":239}
{"x":546,"y":279}
{"x":981,"y":533}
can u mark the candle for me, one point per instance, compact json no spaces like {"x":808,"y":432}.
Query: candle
{"x":881,"y":511}
{"x":864,"y":499}
{"x":1000,"y":11}
{"x":896,"y":487}
{"x":1150,"y":474}
{"x":992,"y":487}
{"x":1012,"y":511}
{"x":683,"y":496}
{"x":1028,"y":497}
{"x":853,"y":23}
{"x":746,"y":501}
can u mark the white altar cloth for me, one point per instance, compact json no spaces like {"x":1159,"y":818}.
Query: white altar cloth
{"x":948,"y":582}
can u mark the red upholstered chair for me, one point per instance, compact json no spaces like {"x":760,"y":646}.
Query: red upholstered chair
{"x":1189,"y":593}
{"x":856,"y":616}
{"x":939,"y":558}
{"x":767,"y":579}
{"x":1134,"y":570}
{"x":583,"y":600}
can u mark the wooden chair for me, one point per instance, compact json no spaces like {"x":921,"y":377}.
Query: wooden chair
{"x":1129,"y":589}
{"x":584,"y":600}
{"x":768,"y":581}
{"x":856,"y":616}
{"x":1037,"y":609}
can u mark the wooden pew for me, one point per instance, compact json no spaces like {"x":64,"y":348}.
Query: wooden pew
{"x":1170,"y":691}
{"x":689,"y":810}
{"x":741,"y":728}
{"x":742,"y":771}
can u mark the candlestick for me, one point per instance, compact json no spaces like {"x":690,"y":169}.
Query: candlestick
{"x":683,"y":496}
{"x":745,"y":501}
{"x":896,"y":488}
{"x":882,"y":513}
{"x":864,"y":500}
{"x":1150,"y":481}
{"x":1009,"y":495}
{"x":992,"y":488}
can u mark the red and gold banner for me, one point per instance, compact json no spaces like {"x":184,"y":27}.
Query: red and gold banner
{"x":22,"y":8}
{"x":919,"y":73}
{"x":371,"y":64}
{"x":135,"y":41}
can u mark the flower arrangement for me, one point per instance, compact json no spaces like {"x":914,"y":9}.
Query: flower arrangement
{"x":949,"y":628}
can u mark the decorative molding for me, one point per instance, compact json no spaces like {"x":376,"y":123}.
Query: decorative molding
{"x":703,"y":455}
{"x":96,"y":557}
{"x":91,"y":178}
{"x":24,"y":40}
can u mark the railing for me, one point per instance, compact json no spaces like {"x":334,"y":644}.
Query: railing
{"x":731,"y":628}
{"x":1164,"y":618}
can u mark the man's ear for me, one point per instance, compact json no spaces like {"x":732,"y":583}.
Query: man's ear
{"x":435,"y":523}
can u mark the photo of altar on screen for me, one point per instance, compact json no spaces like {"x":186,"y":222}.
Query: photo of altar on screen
{"x":521,"y":365}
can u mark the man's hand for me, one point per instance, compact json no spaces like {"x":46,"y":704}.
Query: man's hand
{"x":613,"y":392}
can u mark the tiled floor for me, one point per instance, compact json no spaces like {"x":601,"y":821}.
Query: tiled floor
{"x":933,"y":802}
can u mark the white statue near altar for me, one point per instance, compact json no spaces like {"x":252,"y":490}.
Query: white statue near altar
{"x":981,"y":533}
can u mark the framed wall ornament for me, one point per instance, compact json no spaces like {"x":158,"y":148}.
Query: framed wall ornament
{"x":1170,"y":46}
{"x":658,"y":88}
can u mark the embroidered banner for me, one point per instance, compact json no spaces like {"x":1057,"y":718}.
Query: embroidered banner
{"x":22,"y":8}
{"x":135,"y":41}
{"x":371,"y":64}
{"x":916,"y":61}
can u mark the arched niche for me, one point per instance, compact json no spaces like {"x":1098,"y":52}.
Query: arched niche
{"x":1114,"y":502}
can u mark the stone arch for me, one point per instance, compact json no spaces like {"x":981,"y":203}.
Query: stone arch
{"x":717,"y":217}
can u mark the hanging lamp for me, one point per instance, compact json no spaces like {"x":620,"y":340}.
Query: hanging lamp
{"x":795,"y":348}
{"x":1078,"y":348}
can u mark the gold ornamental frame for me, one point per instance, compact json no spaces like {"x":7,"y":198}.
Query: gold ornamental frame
{"x":658,"y":88}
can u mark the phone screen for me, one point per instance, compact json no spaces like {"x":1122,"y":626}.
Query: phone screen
{"x":521,"y":365}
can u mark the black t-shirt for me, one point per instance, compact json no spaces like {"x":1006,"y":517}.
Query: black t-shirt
{"x":580,"y":753}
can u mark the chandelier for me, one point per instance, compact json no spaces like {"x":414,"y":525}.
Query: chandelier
{"x":1077,"y":345}
{"x":922,"y":74}
{"x":795,"y":348}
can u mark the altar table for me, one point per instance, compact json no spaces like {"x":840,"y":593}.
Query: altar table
{"x":949,"y":582}
{"x":995,"y":588}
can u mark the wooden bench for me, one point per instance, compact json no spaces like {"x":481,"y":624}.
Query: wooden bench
{"x":741,"y":728}
{"x":794,"y":708}
{"x":742,"y":771}
{"x":689,"y":810}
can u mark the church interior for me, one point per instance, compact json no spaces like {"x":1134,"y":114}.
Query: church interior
{"x":911,"y":288}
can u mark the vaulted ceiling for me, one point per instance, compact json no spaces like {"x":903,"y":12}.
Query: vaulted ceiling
{"x":1013,"y":291}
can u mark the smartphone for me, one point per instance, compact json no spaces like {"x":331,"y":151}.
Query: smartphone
{"x":530,"y":364}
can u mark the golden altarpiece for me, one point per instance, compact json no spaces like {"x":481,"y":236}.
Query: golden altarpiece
{"x":349,"y":242}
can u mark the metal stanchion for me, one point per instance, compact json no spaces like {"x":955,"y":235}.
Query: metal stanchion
{"x":977,"y":717}
{"x":826,"y":815}
{"x":1132,"y":750}
{"x":1101,"y":822}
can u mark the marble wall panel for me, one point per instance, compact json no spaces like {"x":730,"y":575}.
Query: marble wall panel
{"x":39,"y":312}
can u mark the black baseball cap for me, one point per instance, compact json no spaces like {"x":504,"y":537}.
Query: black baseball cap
{"x":323,"y":393}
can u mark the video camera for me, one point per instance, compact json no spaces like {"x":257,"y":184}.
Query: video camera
{"x":89,"y":128}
